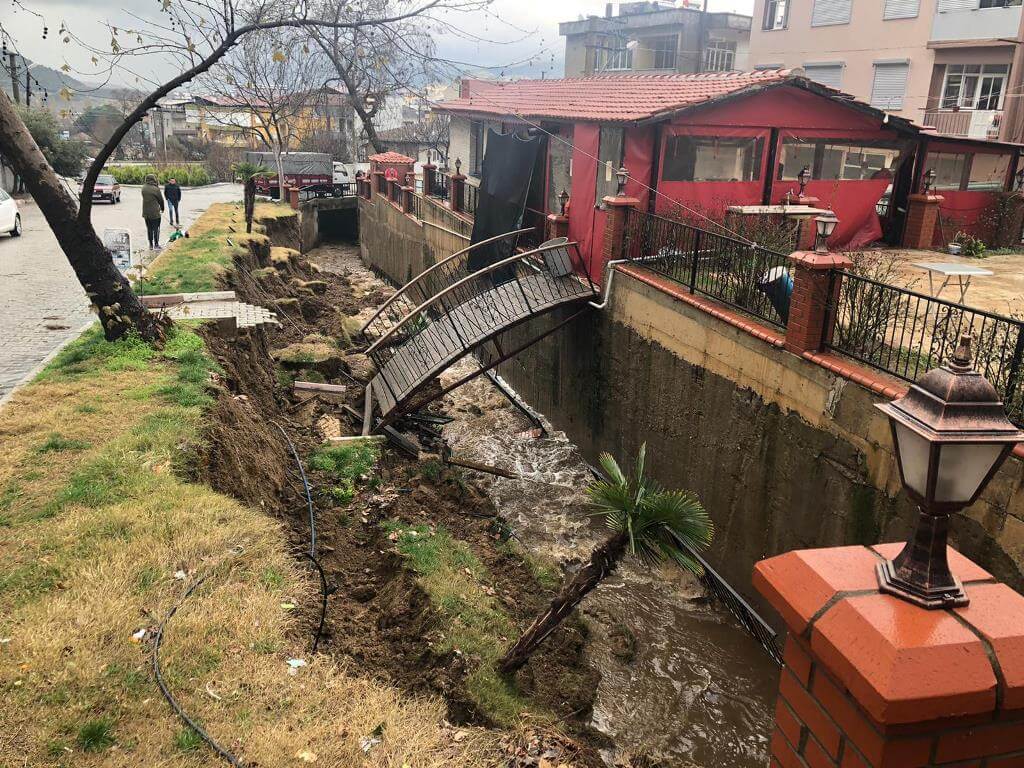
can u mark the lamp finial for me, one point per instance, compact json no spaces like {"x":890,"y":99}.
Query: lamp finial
{"x":962,"y":357}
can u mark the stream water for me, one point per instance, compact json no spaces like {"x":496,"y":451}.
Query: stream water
{"x":681,"y":681}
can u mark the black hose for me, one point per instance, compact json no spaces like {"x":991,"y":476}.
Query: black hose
{"x":325,"y":591}
{"x":230,"y":758}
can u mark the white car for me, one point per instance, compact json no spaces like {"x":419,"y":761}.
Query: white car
{"x":10,"y":219}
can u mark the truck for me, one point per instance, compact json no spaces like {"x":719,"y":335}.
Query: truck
{"x":312,"y":172}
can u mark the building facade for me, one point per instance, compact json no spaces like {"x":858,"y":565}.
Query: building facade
{"x":940,"y":63}
{"x":655,"y":37}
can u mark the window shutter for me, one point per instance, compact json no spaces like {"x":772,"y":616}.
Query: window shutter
{"x":830,"y":12}
{"x":957,"y":5}
{"x":901,"y":9}
{"x":889,"y":86}
{"x":826,"y":74}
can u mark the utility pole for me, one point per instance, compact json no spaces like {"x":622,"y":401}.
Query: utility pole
{"x":28,"y":87}
{"x":12,"y":59}
{"x":1012,"y":126}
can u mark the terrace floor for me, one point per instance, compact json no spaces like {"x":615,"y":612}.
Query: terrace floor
{"x":1002,"y":292}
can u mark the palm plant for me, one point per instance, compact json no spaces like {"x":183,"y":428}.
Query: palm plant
{"x":646,"y":522}
{"x":247,"y":173}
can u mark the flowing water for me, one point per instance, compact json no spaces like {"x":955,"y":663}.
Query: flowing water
{"x":681,"y":681}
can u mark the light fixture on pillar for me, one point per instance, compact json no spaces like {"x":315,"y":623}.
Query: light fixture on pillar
{"x":951,"y":435}
{"x":824,"y":225}
{"x":803,"y":177}
{"x":929,"y":180}
{"x":623,"y":176}
{"x":563,"y":200}
{"x":458,"y":166}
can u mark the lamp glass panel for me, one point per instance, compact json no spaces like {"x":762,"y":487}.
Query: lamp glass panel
{"x":914,"y":452}
{"x":962,"y":468}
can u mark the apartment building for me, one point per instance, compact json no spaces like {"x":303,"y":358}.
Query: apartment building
{"x":941,"y":63}
{"x":653,"y":37}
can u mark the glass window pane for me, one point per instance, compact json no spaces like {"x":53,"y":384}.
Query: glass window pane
{"x":794,"y":156}
{"x":705,"y":158}
{"x":961,"y":470}
{"x":610,"y":154}
{"x":948,"y":167}
{"x":914,"y":453}
{"x":988,"y":171}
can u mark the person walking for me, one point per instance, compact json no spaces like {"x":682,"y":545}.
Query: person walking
{"x":172,"y":193}
{"x":152,"y":210}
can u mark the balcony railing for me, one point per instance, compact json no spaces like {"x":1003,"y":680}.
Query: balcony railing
{"x":965,"y":123}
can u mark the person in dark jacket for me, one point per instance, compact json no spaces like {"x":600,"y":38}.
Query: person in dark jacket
{"x":152,"y":209}
{"x":172,"y":193}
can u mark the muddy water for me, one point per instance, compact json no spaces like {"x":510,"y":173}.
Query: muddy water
{"x":680,"y":679}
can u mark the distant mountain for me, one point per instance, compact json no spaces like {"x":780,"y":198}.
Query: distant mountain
{"x":52,"y":81}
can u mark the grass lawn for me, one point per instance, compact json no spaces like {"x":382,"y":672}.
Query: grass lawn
{"x":98,"y":525}
{"x":196,"y":263}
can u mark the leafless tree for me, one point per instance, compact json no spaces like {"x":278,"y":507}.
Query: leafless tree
{"x":193,"y":35}
{"x":271,"y":79}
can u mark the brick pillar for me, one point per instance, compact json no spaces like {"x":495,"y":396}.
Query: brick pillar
{"x":429,"y":171}
{"x":871,"y":681}
{"x":293,"y":197}
{"x":557,"y":226}
{"x":458,"y":192}
{"x":922,"y":218}
{"x":807,"y":234}
{"x":407,"y":193}
{"x":808,"y":306}
{"x":614,"y":230}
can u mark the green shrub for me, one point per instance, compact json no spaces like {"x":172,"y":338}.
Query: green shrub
{"x":186,"y":175}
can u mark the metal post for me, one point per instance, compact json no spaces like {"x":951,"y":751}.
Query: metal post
{"x":696,"y":255}
{"x":1014,"y":376}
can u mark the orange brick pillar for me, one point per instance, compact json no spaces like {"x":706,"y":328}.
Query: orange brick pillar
{"x":379,"y":184}
{"x":557,"y":226}
{"x":293,"y":197}
{"x":458,"y":192}
{"x":871,"y":681}
{"x":614,"y":233}
{"x":407,"y":193}
{"x":922,"y":218}
{"x":812,"y":271}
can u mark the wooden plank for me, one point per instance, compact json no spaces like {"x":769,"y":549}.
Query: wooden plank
{"x":368,"y":409}
{"x":315,"y":386}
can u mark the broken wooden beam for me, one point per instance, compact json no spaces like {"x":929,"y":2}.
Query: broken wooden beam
{"x":480,"y":467}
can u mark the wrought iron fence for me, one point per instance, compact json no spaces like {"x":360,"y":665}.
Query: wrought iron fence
{"x":748,"y":277}
{"x":442,"y":185}
{"x":470,"y":197}
{"x":906,"y":334}
{"x":417,"y":206}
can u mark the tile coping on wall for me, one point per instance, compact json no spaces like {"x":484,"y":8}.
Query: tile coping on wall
{"x":885,"y":386}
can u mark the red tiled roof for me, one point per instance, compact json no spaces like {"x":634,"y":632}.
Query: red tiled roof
{"x":390,"y":157}
{"x":606,"y":98}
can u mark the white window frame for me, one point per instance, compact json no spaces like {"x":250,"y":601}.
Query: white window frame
{"x":959,"y":71}
{"x":723,"y":52}
{"x":611,"y":58}
{"x":778,"y":20}
{"x":664,"y":46}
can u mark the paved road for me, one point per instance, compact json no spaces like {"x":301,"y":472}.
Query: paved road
{"x":42,"y":306}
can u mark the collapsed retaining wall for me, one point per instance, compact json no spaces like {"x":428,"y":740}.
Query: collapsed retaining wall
{"x":783,"y":453}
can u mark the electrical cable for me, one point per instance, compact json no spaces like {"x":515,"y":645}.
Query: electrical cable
{"x":325,"y":589}
{"x":223,"y":753}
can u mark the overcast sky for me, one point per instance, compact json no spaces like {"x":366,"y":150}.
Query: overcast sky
{"x":508,"y":22}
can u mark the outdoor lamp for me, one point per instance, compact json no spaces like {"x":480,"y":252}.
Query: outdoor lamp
{"x":623,"y":176}
{"x":825,"y":225}
{"x":951,"y":435}
{"x":803,"y":177}
{"x":458,"y":166}
{"x":929,"y":180}
{"x":563,"y":200}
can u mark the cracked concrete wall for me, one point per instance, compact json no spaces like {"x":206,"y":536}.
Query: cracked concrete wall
{"x":784,"y":454}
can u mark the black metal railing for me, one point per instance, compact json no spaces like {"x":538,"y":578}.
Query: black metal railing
{"x":442,"y":188}
{"x":422,"y":331}
{"x":753,"y":279}
{"x":470,"y":197}
{"x":906,"y":334}
{"x":417,"y":206}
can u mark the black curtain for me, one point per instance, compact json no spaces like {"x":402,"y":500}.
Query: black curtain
{"x":504,"y":183}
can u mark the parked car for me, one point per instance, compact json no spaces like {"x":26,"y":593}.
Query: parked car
{"x":107,"y":188}
{"x":10,"y":219}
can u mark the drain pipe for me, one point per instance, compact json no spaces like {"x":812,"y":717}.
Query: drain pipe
{"x":609,"y":268}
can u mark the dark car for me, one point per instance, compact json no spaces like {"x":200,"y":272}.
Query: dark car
{"x":107,"y":188}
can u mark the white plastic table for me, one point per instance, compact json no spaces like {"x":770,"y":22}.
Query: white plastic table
{"x":948,"y":271}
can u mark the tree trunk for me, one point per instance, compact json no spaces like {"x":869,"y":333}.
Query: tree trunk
{"x":602,"y":562}
{"x":250,"y":203}
{"x":119,"y":309}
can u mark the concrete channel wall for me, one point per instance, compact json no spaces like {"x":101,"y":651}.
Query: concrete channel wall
{"x":782,"y":452}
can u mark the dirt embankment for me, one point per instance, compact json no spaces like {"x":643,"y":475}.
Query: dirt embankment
{"x":379,"y":616}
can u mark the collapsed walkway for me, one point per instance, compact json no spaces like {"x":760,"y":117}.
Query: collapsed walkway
{"x":451,"y":310}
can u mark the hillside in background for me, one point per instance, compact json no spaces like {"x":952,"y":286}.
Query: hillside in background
{"x":83,"y":94}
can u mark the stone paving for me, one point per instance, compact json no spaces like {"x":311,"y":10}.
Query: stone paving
{"x":42,"y":306}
